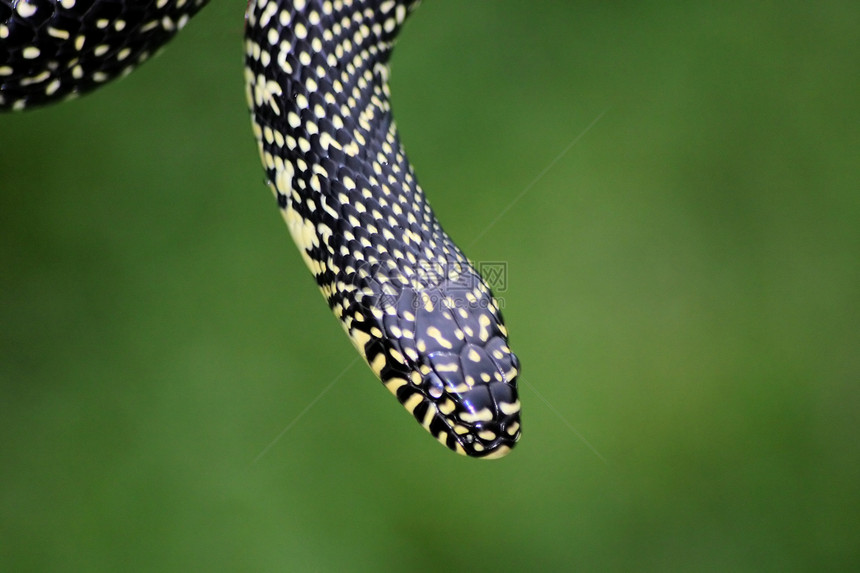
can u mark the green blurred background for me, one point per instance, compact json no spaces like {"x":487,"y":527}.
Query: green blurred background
{"x":683,"y":289}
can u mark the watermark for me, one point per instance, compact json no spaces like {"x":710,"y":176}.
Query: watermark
{"x":495,"y":273}
{"x":427,"y":285}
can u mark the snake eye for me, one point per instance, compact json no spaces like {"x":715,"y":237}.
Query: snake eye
{"x":435,"y":386}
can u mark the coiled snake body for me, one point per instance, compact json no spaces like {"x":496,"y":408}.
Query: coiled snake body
{"x":317,"y":85}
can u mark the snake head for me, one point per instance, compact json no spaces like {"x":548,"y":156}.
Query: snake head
{"x":443,"y":353}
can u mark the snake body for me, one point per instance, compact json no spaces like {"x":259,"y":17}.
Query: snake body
{"x":411,"y":303}
{"x":52,"y":50}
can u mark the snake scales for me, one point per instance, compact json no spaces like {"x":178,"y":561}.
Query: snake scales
{"x":316,"y":79}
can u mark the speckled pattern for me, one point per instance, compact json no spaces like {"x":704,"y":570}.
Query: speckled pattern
{"x":317,"y":84}
{"x":52,"y":50}
{"x":412,"y":304}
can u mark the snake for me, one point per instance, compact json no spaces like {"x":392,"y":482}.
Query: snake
{"x":317,"y":85}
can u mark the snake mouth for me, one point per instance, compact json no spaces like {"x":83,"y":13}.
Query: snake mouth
{"x":486,"y":420}
{"x":454,"y":372}
{"x":471,"y":429}
{"x":480,"y":420}
{"x":448,"y":363}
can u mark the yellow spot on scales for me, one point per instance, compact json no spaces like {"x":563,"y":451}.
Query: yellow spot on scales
{"x":484,"y":322}
{"x":395,"y":384}
{"x":447,"y":407}
{"x":303,"y":234}
{"x":427,"y":301}
{"x":509,"y":409}
{"x":428,"y":417}
{"x":435,"y":334}
{"x":412,"y":402}
{"x":482,"y":415}
{"x":397,"y":356}
{"x":378,"y":364}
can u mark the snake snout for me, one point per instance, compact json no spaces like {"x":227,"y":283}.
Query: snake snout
{"x":493,"y":414}
{"x":473,"y":391}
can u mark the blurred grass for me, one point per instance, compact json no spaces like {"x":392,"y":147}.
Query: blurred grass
{"x":683,"y":291}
